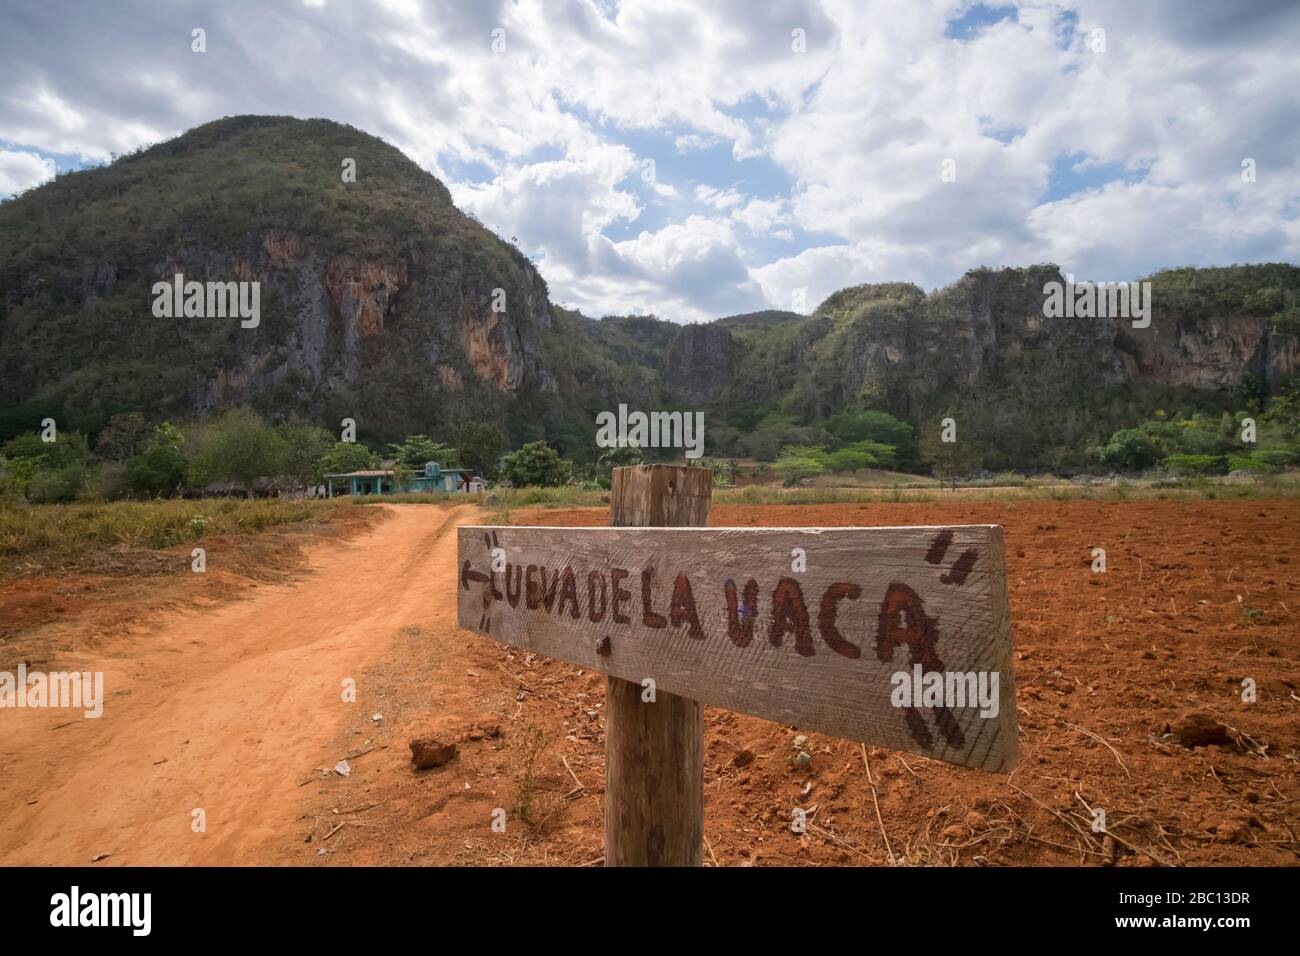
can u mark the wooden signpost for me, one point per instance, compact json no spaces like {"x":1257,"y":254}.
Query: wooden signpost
{"x":898,"y":637}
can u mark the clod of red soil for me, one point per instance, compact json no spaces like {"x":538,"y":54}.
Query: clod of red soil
{"x":1235,"y":829}
{"x":429,"y":752}
{"x":485,"y":730}
{"x":1200,"y":730}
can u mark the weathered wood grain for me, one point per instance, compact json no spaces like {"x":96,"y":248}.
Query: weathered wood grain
{"x":654,"y":750}
{"x":818,"y":649}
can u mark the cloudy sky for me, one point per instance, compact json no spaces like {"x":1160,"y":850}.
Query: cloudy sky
{"x":696,"y":159}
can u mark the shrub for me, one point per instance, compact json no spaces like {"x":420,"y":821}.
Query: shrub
{"x":159,"y":471}
{"x":1129,"y":450}
{"x":1195,"y":464}
{"x":536,"y":464}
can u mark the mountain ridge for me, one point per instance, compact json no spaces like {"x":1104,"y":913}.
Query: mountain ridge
{"x":379,"y":302}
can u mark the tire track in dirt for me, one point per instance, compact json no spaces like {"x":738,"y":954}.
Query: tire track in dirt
{"x":226,"y":709}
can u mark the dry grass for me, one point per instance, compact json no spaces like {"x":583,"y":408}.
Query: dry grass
{"x":35,"y":538}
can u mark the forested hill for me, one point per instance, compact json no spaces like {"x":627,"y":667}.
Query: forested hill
{"x":382,"y":302}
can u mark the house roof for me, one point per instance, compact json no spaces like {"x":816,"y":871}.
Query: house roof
{"x":415,"y":476}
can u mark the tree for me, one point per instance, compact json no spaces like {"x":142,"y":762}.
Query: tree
{"x":123,"y":437}
{"x":536,"y":464}
{"x":160,"y":467}
{"x":620,"y":456}
{"x":238,"y":447}
{"x":304,"y":448}
{"x":798,"y":462}
{"x":851,"y":427}
{"x":415,"y":450}
{"x":948,"y":459}
{"x":480,"y":444}
{"x":160,"y":470}
{"x":859,"y":455}
{"x":345,"y":456}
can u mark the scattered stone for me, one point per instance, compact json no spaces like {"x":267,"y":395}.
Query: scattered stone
{"x":1200,"y":730}
{"x":743,"y":759}
{"x":429,"y":752}
{"x":485,"y":730}
{"x":803,"y":760}
{"x":342,"y":768}
{"x":1234,"y":829}
{"x":799,"y":742}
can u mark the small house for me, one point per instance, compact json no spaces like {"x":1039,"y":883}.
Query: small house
{"x":432,"y":478}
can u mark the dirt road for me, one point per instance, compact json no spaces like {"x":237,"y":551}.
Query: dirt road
{"x":226,"y":710}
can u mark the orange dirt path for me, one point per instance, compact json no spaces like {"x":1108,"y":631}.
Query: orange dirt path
{"x":225,"y":709}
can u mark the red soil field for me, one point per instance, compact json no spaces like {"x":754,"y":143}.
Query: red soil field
{"x":234,"y":707}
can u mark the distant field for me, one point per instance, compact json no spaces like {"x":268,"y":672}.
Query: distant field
{"x":35,"y":538}
{"x":924,"y":490}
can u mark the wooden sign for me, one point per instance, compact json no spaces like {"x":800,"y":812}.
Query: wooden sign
{"x":899,"y":637}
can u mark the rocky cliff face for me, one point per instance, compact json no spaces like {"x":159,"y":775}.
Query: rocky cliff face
{"x":1205,"y":352}
{"x":383,"y":303}
{"x":893,"y":344}
{"x":984,"y":351}
{"x":701,"y":359}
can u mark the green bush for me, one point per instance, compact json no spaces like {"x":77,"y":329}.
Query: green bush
{"x":1247,"y":463}
{"x":1129,"y":450}
{"x":159,"y":471}
{"x":1274,"y":457}
{"x":850,"y":428}
{"x":1195,"y":464}
{"x":536,"y":464}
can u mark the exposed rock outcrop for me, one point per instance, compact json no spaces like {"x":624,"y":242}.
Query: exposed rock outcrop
{"x":363,"y":292}
{"x":701,"y":360}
